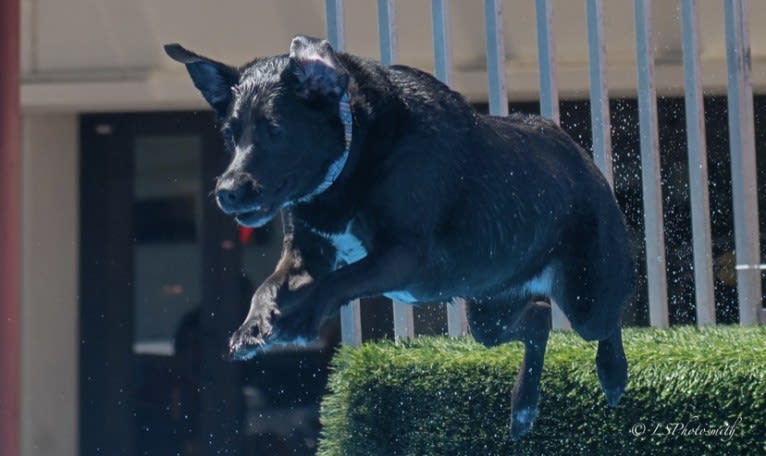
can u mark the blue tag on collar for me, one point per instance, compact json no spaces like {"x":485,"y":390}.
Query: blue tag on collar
{"x":346,"y":118}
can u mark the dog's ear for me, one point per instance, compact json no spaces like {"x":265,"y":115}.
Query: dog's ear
{"x":319,"y":72}
{"x":213,"y":79}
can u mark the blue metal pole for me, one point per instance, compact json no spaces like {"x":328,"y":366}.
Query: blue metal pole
{"x":698,"y":176}
{"x":335,"y":14}
{"x":743,"y":175}
{"x":546,"y":49}
{"x":442,"y":43}
{"x":493,"y":23}
{"x":650,"y":168}
{"x":387,"y":32}
{"x":599,"y":92}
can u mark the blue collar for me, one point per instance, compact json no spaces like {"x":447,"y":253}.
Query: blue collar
{"x":336,"y":167}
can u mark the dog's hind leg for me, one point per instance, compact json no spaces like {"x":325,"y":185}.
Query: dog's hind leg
{"x":612,"y":367}
{"x":532,"y":330}
{"x":594,"y":320}
{"x":596,"y":278}
{"x":592,"y":300}
{"x":531,"y":326}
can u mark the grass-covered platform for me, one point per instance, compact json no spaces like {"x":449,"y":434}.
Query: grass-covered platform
{"x":690,"y":392}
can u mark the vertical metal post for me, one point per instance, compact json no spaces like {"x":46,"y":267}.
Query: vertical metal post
{"x":493,"y":25}
{"x":698,"y":177}
{"x":546,"y":50}
{"x":743,"y":175}
{"x":387,"y":32}
{"x":336,"y":32}
{"x":350,"y":314}
{"x":351,"y":323}
{"x":650,"y":167}
{"x":457,"y":323}
{"x":457,"y":320}
{"x":10,"y":228}
{"x":549,"y":97}
{"x":599,"y":92}
{"x":442,"y":43}
{"x":404,"y":319}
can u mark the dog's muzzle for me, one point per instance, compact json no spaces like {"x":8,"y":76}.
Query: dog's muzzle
{"x":236,"y":193}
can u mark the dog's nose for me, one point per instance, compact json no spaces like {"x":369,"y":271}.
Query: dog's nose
{"x":230,"y":199}
{"x":235,"y":193}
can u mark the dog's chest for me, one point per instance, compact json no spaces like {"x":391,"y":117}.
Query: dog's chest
{"x":348,"y":247}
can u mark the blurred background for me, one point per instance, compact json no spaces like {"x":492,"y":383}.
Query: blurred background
{"x":131,"y":279}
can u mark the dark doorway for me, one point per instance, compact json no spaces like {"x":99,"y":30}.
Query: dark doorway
{"x":165,"y":278}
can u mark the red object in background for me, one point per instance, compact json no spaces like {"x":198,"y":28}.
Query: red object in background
{"x":10,"y":228}
{"x":246,"y":235}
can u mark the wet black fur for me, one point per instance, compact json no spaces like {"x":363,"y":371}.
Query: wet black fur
{"x":448,"y":203}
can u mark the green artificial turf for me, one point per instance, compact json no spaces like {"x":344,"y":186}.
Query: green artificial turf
{"x":437,"y":396}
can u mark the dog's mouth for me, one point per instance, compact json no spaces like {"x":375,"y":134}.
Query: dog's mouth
{"x":257,"y":217}
{"x":260,"y":214}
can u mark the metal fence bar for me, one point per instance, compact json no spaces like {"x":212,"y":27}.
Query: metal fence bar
{"x":350,"y":314}
{"x":404,"y":319}
{"x":599,"y":92}
{"x":546,"y":49}
{"x":387,"y":32}
{"x":457,"y":320}
{"x":493,"y":25}
{"x":743,"y":174}
{"x":442,"y":43}
{"x":549,"y":98}
{"x":351,"y":323}
{"x":336,"y":31}
{"x":457,"y":323}
{"x":698,"y":176}
{"x":650,"y":167}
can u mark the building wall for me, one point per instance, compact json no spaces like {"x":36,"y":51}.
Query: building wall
{"x":108,"y":56}
{"x":49,"y":314}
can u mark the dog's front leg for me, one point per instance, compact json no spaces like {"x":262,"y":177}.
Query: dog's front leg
{"x":301,"y":262}
{"x":381,"y":271}
{"x":253,"y":332}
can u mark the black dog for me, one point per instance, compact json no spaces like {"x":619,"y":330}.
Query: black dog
{"x":390,"y":183}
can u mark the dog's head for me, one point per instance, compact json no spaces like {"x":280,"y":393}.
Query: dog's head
{"x":285,"y":120}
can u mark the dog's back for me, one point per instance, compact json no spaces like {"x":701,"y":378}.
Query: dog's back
{"x":502,"y":196}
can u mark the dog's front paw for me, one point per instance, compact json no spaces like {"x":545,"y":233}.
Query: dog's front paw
{"x":254,"y":334}
{"x":248,"y":340}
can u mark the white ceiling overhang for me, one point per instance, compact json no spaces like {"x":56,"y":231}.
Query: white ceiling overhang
{"x":97,"y":55}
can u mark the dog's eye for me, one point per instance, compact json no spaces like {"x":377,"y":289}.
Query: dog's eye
{"x":274,"y":130}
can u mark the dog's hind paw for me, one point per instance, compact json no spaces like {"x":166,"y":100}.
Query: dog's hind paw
{"x":614,"y":380}
{"x":522,"y":421}
{"x":613,"y":395}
